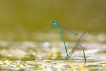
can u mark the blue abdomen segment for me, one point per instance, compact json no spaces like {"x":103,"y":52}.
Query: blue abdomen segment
{"x":67,"y":53}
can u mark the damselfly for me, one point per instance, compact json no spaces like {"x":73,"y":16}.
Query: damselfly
{"x":79,"y":44}
{"x":66,"y":30}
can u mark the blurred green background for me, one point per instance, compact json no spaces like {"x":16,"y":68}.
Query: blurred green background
{"x":23,"y":19}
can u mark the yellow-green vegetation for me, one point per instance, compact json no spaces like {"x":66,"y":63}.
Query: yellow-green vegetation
{"x":17,"y":59}
{"x":52,"y":65}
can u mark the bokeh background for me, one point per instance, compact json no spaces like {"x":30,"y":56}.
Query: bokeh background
{"x":26,"y":34}
{"x":30,"y":19}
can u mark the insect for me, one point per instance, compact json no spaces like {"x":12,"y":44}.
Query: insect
{"x":79,"y":44}
{"x":66,"y":30}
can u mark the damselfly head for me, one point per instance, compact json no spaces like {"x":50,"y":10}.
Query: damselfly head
{"x":54,"y":23}
{"x":51,"y":21}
